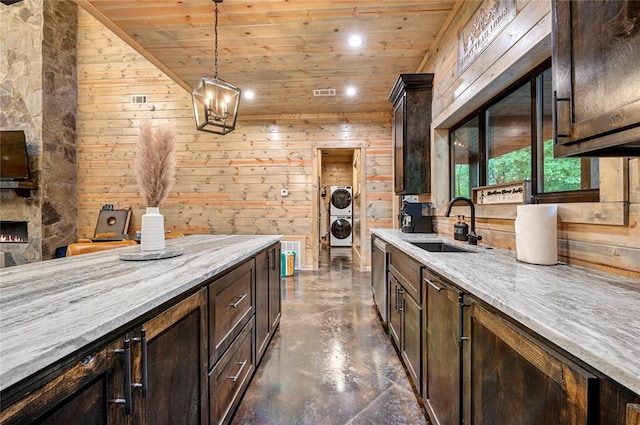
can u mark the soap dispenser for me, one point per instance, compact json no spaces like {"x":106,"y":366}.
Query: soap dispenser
{"x":460,"y":229}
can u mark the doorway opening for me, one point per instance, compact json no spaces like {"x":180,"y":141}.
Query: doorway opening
{"x":339,"y":200}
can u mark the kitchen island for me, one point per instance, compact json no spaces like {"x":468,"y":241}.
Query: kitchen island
{"x":64,"y":314}
{"x":493,"y":305}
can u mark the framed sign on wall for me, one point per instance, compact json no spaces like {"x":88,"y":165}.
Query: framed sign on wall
{"x":508,"y":193}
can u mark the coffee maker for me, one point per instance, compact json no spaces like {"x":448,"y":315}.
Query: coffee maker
{"x":415,"y":217}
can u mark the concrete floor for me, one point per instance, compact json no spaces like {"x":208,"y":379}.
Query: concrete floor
{"x":330,"y":362}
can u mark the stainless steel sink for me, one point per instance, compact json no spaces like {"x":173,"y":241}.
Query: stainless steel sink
{"x":438,"y":246}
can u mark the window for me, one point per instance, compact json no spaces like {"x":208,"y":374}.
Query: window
{"x":466,"y":157}
{"x":509,"y":137}
{"x":514,"y":132}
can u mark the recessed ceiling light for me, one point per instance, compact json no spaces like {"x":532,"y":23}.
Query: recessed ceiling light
{"x":355,"y":41}
{"x":351,"y":91}
{"x":248,"y":94}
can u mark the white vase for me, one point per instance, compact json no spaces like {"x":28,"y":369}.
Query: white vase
{"x":152,"y":230}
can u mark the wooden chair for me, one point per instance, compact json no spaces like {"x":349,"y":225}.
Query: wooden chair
{"x":87,"y":247}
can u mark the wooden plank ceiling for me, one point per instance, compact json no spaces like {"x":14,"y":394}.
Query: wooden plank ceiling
{"x":284,"y":49}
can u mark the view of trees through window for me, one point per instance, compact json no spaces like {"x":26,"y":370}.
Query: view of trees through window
{"x":462,"y":181}
{"x":560,"y":175}
{"x":513,"y":125}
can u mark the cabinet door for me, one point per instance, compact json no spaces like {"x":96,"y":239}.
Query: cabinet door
{"x":596,"y":51}
{"x":275,"y":292}
{"x":513,"y":379}
{"x":411,"y":335}
{"x":176,"y":366}
{"x":262,"y":326}
{"x":395,"y":309}
{"x":411,"y":99}
{"x":398,"y":145}
{"x":442,"y":372}
{"x":84,"y":394}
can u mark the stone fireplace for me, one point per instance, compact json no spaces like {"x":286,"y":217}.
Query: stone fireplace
{"x":39,"y":96}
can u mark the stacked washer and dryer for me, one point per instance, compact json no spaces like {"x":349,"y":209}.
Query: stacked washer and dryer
{"x":341,"y":216}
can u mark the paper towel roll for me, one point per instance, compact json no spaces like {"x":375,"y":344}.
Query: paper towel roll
{"x":537,"y":234}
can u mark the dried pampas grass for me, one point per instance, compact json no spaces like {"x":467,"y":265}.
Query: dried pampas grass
{"x":155,"y":162}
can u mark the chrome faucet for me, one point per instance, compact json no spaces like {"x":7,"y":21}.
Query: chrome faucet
{"x":472,"y":237}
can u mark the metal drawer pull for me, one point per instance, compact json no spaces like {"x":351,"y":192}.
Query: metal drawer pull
{"x":433,"y":285}
{"x":143,"y":340}
{"x":126,"y":401}
{"x":234,"y":305}
{"x":242,"y":365}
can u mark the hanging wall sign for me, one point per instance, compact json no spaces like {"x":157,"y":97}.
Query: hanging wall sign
{"x":483,"y":27}
{"x":509,"y":193}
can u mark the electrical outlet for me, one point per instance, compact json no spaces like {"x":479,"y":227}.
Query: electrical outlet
{"x":284,"y":192}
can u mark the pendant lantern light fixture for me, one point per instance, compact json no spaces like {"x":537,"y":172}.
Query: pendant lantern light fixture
{"x":215,"y":102}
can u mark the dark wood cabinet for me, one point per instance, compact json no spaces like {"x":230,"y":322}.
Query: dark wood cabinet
{"x":231,"y":306}
{"x":405,"y":311}
{"x":86,"y":390}
{"x":244,"y":313}
{"x":154,"y":374}
{"x":187,"y":361}
{"x":442,"y":377}
{"x":596,"y":51}
{"x":412,"y":338}
{"x":262,"y":325}
{"x":230,"y":377}
{"x":267,"y":298}
{"x":512,"y":379}
{"x":476,"y":365}
{"x":232,"y":321}
{"x":411,"y":98}
{"x":176,"y":366}
{"x":275,"y":290}
{"x":395,"y":317}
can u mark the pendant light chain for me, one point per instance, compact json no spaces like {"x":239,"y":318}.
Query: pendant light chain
{"x":215,"y":77}
{"x":215,"y":102}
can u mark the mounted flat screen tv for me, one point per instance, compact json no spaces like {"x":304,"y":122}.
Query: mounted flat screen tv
{"x":13,"y":156}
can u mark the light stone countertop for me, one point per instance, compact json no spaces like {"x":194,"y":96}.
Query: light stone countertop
{"x":52,"y":309}
{"x":592,"y":315}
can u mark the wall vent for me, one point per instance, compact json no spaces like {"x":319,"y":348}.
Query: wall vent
{"x":138,"y":98}
{"x":293,"y":246}
{"x":324,"y":92}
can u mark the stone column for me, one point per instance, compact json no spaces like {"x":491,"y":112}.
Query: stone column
{"x":38,"y":94}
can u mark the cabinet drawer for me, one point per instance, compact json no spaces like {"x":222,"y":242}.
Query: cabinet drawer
{"x":231,"y":376}
{"x":231,"y":305}
{"x":407,"y":271}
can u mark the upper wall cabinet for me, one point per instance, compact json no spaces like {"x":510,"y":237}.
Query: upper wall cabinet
{"x":596,"y":52}
{"x":411,"y":99}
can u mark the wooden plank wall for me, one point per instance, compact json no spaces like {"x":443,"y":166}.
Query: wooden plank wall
{"x":521,"y":46}
{"x":225,"y":184}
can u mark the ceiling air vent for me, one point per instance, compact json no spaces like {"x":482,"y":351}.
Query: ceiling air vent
{"x":324,"y":92}
{"x":138,"y":99}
